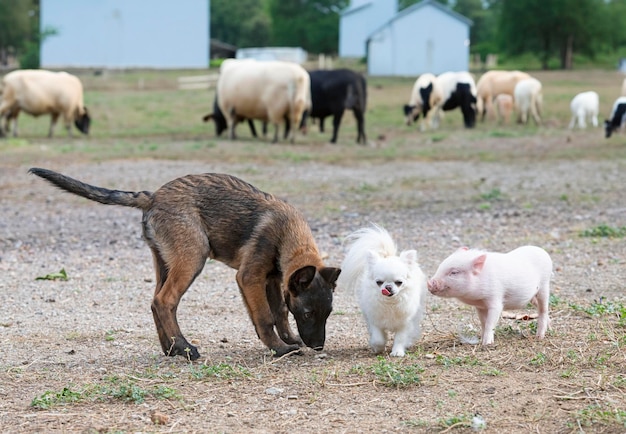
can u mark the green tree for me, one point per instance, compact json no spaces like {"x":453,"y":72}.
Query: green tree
{"x":551,"y":28}
{"x":310,"y":24}
{"x":243,"y":23}
{"x":16,"y":18}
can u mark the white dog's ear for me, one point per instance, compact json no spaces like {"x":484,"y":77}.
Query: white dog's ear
{"x":409,"y":256}
{"x":372,"y":258}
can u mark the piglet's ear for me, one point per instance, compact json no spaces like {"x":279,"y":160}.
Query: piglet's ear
{"x":478,"y":264}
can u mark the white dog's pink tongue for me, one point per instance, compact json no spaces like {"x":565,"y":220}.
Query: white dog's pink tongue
{"x":386,"y":292}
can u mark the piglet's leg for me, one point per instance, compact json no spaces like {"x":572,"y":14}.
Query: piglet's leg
{"x":488,"y":320}
{"x":543,"y":306}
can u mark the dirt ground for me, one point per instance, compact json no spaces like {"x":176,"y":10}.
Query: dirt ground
{"x":82,"y":355}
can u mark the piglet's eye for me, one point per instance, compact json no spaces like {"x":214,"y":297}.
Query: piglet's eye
{"x":454,"y":272}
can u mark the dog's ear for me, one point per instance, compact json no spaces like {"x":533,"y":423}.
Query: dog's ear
{"x":301,"y":279}
{"x":330,"y":275}
{"x":372,"y":258}
{"x":409,"y":256}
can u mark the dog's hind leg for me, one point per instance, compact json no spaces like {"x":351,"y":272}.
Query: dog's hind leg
{"x":280,"y":311}
{"x":252,"y":284}
{"x":173,"y":280}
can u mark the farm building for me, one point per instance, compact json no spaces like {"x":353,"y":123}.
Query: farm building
{"x":360,"y":19}
{"x":126,"y":34}
{"x":425,"y":37}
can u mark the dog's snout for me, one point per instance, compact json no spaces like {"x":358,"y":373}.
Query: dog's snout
{"x":388,"y":287}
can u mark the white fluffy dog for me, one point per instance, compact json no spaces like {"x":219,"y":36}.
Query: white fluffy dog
{"x":390,"y":288}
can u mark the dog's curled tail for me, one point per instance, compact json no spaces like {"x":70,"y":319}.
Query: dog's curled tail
{"x":361,"y":243}
{"x":141,"y":199}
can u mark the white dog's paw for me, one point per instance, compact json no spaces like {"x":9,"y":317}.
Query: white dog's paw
{"x":377,"y":349}
{"x":398,"y":352}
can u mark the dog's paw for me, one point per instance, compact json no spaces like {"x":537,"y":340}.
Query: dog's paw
{"x":287,"y":349}
{"x":398,"y":352}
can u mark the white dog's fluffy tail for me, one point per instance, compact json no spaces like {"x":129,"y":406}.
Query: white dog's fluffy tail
{"x":360,"y":243}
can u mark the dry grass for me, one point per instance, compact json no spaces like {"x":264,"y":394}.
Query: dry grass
{"x":82,"y":355}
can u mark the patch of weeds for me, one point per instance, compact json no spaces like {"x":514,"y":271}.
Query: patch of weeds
{"x":555,"y":300}
{"x":457,"y":361}
{"x":438,"y":137}
{"x":620,"y":381}
{"x":539,"y":359}
{"x":357,"y":370}
{"x":564,"y":198}
{"x":596,"y":414}
{"x":492,"y":372}
{"x":570,"y":372}
{"x":605,"y":231}
{"x":484,"y":206}
{"x":109,"y":335}
{"x":125,"y":391}
{"x":365,"y":187}
{"x":456,"y":421}
{"x":602,"y":307}
{"x":294,"y":157}
{"x":394,"y":374}
{"x":50,"y":398}
{"x":491,"y":196}
{"x":61,"y":275}
{"x":220,"y":370}
{"x":412,"y":423}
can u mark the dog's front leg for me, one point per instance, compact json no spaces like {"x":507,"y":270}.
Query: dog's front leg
{"x":280,"y":311}
{"x":254,"y":294}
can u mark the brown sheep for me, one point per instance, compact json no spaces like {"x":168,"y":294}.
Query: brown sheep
{"x":39,"y":92}
{"x":493,"y":83}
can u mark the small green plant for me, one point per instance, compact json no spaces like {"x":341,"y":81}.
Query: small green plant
{"x":61,"y":275}
{"x":491,"y":196}
{"x":492,"y":372}
{"x":456,"y":361}
{"x":539,"y":359}
{"x":109,"y":335}
{"x":49,"y":398}
{"x":602,"y":307}
{"x":596,"y":414}
{"x":394,"y":374}
{"x":605,"y":231}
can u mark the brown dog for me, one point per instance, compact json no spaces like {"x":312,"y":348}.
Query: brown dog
{"x":218,"y":216}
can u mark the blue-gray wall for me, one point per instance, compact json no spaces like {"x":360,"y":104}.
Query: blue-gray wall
{"x":126,"y":33}
{"x":359,"y":20}
{"x":420,"y":39}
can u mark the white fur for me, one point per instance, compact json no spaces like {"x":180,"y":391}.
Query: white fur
{"x":492,"y":282}
{"x":584,"y":105}
{"x":371,"y":264}
{"x":528,"y":98}
{"x":271,"y":91}
{"x":504,"y":106}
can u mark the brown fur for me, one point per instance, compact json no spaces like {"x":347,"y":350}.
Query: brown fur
{"x":218,"y":216}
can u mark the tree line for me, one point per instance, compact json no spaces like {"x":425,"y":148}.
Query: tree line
{"x":556,"y":32}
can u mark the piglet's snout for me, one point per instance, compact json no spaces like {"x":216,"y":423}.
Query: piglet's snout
{"x":433,"y":285}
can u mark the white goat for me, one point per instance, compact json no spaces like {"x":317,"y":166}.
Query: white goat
{"x":585,"y":105}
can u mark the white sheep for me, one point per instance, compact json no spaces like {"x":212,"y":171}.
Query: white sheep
{"x":528,"y":100}
{"x":585,"y":105}
{"x":39,"y":92}
{"x":271,"y":91}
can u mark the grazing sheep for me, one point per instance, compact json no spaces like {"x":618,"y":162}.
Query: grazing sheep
{"x":451,"y":90}
{"x":617,"y":120}
{"x":493,"y":83}
{"x":504,"y":107}
{"x":528,"y":99}
{"x":416,"y":106}
{"x":39,"y":92}
{"x":271,"y":91}
{"x":584,"y":105}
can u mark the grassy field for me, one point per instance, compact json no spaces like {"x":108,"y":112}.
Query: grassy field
{"x":142,"y":113}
